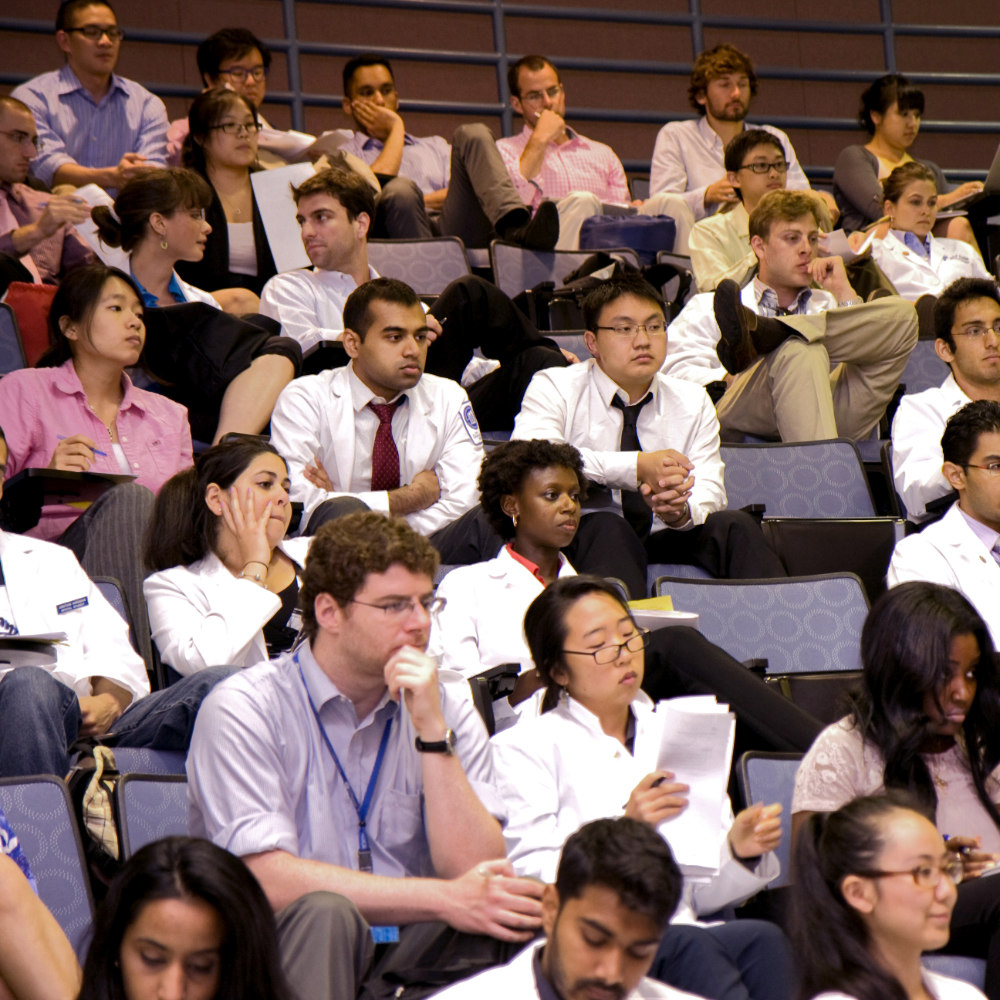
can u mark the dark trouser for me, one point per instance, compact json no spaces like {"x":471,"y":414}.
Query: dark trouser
{"x":480,"y":194}
{"x":328,"y":954}
{"x":476,"y":314}
{"x":737,"y":960}
{"x":109,"y":539}
{"x":681,"y":661}
{"x":975,"y":927}
{"x":40,"y":718}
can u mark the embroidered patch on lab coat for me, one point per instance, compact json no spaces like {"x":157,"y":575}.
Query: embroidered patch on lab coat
{"x":65,"y":609}
{"x":471,"y":424}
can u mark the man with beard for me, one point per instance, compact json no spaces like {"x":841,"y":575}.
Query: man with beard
{"x":688,"y":155}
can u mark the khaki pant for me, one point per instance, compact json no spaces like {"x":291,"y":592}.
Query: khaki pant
{"x":832,"y":380}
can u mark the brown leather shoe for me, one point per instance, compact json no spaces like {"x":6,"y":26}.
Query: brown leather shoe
{"x":736,"y":348}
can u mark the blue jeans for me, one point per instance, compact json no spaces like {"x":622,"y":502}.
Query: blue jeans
{"x":40,"y":718}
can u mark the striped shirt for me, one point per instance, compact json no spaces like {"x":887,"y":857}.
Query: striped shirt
{"x":426,"y":161}
{"x":578,"y":165}
{"x":73,"y":128}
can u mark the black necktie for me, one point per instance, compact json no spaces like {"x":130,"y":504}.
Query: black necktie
{"x":634,"y":507}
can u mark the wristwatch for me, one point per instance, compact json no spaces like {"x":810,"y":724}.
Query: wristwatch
{"x":445,"y":746}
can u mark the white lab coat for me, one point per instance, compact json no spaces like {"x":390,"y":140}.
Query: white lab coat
{"x":42,"y":578}
{"x":916,"y":445}
{"x":203,"y":616}
{"x":913,"y":275}
{"x":314,"y":416}
{"x":560,"y":770}
{"x":573,"y":405}
{"x":481,"y":624}
{"x":940,"y":987}
{"x":516,"y":979}
{"x":948,"y":552}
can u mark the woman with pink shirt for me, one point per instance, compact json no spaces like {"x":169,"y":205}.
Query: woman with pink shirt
{"x":79,"y":412}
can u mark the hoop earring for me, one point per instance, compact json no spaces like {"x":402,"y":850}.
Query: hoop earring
{"x":164,"y":245}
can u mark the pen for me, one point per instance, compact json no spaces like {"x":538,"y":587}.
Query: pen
{"x":96,"y":451}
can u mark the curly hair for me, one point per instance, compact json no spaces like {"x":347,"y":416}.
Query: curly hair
{"x":345,"y":551}
{"x":505,"y":468}
{"x":712,"y":64}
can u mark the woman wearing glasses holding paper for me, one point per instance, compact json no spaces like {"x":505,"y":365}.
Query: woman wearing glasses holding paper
{"x":578,"y":761}
{"x":874,"y":890}
{"x":221,"y":146}
{"x":927,"y":721}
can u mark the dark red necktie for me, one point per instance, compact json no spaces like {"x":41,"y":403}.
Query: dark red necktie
{"x":385,"y":457}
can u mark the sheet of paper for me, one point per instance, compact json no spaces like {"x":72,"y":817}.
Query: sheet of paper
{"x":694,"y":740}
{"x":273,"y":190}
{"x":94,"y":195}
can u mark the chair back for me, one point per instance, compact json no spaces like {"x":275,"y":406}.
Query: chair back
{"x":141,"y":760}
{"x":801,"y":479}
{"x":516,"y":270}
{"x":924,"y":369}
{"x":11,"y":349}
{"x":808,"y":624}
{"x":41,"y":814}
{"x":150,"y":807}
{"x":770,"y":777}
{"x":428,"y":266}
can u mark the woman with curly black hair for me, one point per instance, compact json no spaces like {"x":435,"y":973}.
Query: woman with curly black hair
{"x":926,"y":721}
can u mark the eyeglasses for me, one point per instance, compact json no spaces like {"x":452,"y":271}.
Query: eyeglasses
{"x":537,"y":96}
{"x":976,"y":330}
{"x":655,"y":328}
{"x":608,"y":654}
{"x":926,"y":876}
{"x":93,"y":32}
{"x":241,"y":73}
{"x":406,"y":605}
{"x":23,"y":138}
{"x":781,"y":166}
{"x":237,"y":128}
{"x":991,"y":468}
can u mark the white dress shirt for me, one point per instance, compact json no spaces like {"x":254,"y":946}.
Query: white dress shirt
{"x":573,"y":405}
{"x":688,"y":157}
{"x":916,"y":445}
{"x":327,"y":415}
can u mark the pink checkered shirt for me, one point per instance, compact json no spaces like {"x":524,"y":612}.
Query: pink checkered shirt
{"x":578,"y":165}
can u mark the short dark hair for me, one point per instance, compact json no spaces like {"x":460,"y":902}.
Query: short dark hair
{"x":883,"y":94}
{"x":626,"y":856}
{"x":64,"y":16}
{"x":964,"y":428}
{"x":781,"y":206}
{"x":712,"y":64}
{"x":532,"y":63}
{"x":963,"y":290}
{"x":359,"y":62}
{"x":344,"y":552}
{"x":505,"y":468}
{"x":626,"y":283}
{"x":345,"y":186}
{"x":357,"y":308}
{"x":164,"y":191}
{"x":76,"y":298}
{"x":204,"y":114}
{"x":545,"y":625}
{"x":229,"y":43}
{"x":741,"y":144}
{"x":903,"y":176}
{"x":190,"y":868}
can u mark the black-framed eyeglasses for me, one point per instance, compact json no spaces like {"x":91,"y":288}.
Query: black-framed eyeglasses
{"x":93,"y":32}
{"x":926,"y":876}
{"x":242,"y":73}
{"x":655,"y":328}
{"x":976,"y":330}
{"x":608,"y":654}
{"x":399,"y":608}
{"x":780,"y":166}
{"x":237,"y":128}
{"x":23,"y":138}
{"x":537,"y":96}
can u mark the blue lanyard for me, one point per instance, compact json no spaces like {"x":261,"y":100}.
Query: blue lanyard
{"x":364,"y":848}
